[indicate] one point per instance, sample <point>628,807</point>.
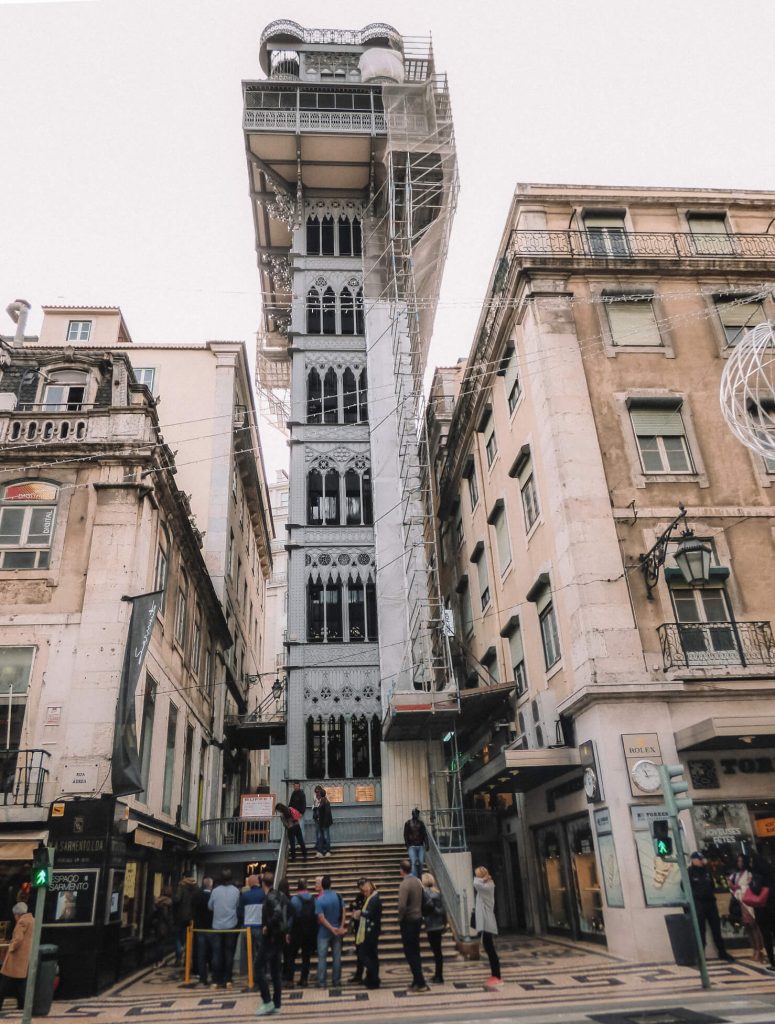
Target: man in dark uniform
<point>704,892</point>
<point>298,800</point>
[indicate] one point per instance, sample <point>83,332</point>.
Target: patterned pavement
<point>546,980</point>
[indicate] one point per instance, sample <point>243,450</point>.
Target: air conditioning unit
<point>544,720</point>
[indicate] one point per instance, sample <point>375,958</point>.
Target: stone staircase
<point>379,863</point>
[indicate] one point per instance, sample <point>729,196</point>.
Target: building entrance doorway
<point>572,902</point>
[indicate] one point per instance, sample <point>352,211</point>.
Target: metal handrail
<point>455,903</point>
<point>282,855</point>
<point>615,243</point>
<point>705,644</point>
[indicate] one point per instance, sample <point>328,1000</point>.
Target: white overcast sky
<point>123,178</point>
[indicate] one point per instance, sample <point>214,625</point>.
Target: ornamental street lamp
<point>692,556</point>
<point>277,688</point>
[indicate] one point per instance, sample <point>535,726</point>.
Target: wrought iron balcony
<point>705,644</point>
<point>23,775</point>
<point>255,730</point>
<point>617,244</point>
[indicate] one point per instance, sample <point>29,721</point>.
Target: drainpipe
<point>18,311</point>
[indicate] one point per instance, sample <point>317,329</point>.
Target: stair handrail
<point>455,903</point>
<point>282,856</point>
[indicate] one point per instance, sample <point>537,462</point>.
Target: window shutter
<point>481,568</point>
<point>502,538</point>
<point>510,373</point>
<point>544,599</point>
<point>633,323</point>
<point>661,420</point>
<point>739,314</point>
<point>515,647</point>
<point>708,225</point>
<point>604,220</point>
<point>525,472</point>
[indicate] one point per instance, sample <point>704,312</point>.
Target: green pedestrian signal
<point>663,841</point>
<point>41,869</point>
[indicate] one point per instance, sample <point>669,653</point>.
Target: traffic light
<point>41,869</point>
<point>663,841</point>
<point>673,786</point>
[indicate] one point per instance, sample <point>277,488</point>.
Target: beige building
<point>91,514</point>
<point>587,412</point>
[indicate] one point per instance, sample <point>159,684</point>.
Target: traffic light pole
<point>669,790</point>
<point>32,970</point>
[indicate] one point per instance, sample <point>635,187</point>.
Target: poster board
<point>72,897</point>
<point>114,904</point>
<point>257,805</point>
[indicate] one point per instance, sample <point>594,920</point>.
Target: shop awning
<point>522,770</point>
<point>734,733</point>
<point>20,845</point>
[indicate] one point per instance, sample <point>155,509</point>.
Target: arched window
<point>314,397</point>
<point>361,745</point>
<point>356,610</point>
<point>335,747</point>
<point>316,750</point>
<point>331,397</point>
<point>363,407</point>
<point>357,489</point>
<point>323,498</point>
<point>329,311</point>
<point>313,236</point>
<point>27,515</point>
<point>324,611</point>
<point>357,237</point>
<point>345,236</point>
<point>376,751</point>
<point>372,631</point>
<point>314,318</point>
<point>327,236</point>
<point>349,396</point>
<point>65,390</point>
<point>347,306</point>
<point>360,326</point>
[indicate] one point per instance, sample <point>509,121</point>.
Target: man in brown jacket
<point>13,973</point>
<point>410,923</point>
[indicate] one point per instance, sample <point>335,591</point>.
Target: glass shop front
<point>572,896</point>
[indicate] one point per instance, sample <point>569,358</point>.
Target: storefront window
<point>589,902</point>
<point>550,855</point>
<point>723,831</point>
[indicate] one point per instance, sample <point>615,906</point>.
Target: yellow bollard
<point>249,948</point>
<point>189,944</point>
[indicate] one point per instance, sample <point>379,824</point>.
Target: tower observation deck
<point>353,183</point>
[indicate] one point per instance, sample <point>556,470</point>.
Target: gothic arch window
<point>360,326</point>
<point>314,397</point>
<point>313,236</point>
<point>335,747</point>
<point>356,610</point>
<point>323,498</point>
<point>316,750</point>
<point>363,408</point>
<point>358,503</point>
<point>349,396</point>
<point>314,317</point>
<point>331,396</point>
<point>324,610</point>
<point>361,747</point>
<point>327,236</point>
<point>345,236</point>
<point>347,311</point>
<point>329,311</point>
<point>376,750</point>
<point>371,610</point>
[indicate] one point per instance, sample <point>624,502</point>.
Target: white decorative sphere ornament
<point>748,390</point>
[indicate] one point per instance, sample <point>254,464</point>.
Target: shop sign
<point>747,765</point>
<point>765,828</point>
<point>642,745</point>
<point>642,815</point>
<point>53,714</point>
<point>603,821</point>
<point>366,794</point>
<point>71,897</point>
<point>721,824</point>
<point>79,850</point>
<point>335,794</point>
<point>151,839</point>
<point>257,805</point>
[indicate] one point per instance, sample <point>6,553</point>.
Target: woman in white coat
<point>485,923</point>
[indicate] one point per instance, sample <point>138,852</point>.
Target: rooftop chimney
<point>18,310</point>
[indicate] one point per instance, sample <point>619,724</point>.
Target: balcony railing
<point>358,121</point>
<point>23,775</point>
<point>619,244</point>
<point>89,424</point>
<point>705,644</point>
<point>238,831</point>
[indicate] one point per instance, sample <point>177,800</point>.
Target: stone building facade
<point>586,413</point>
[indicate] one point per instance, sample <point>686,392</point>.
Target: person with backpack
<point>331,928</point>
<point>183,913</point>
<point>274,935</point>
<point>435,918</point>
<point>224,903</point>
<point>321,815</point>
<point>161,923</point>
<point>303,933</point>
<point>291,818</point>
<point>369,926</point>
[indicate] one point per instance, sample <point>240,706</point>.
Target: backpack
<point>307,920</point>
<point>275,918</point>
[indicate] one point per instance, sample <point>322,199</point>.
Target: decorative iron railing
<point>333,121</point>
<point>705,644</point>
<point>613,243</point>
<point>23,775</point>
<point>237,831</point>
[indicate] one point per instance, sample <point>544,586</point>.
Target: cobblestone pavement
<point>545,980</point>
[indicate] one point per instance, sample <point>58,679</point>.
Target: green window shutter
<point>633,323</point>
<point>657,420</point>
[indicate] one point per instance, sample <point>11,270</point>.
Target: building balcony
<point>85,424</point>
<point>258,729</point>
<point>23,775</point>
<point>615,244</point>
<point>358,122</point>
<point>708,644</point>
